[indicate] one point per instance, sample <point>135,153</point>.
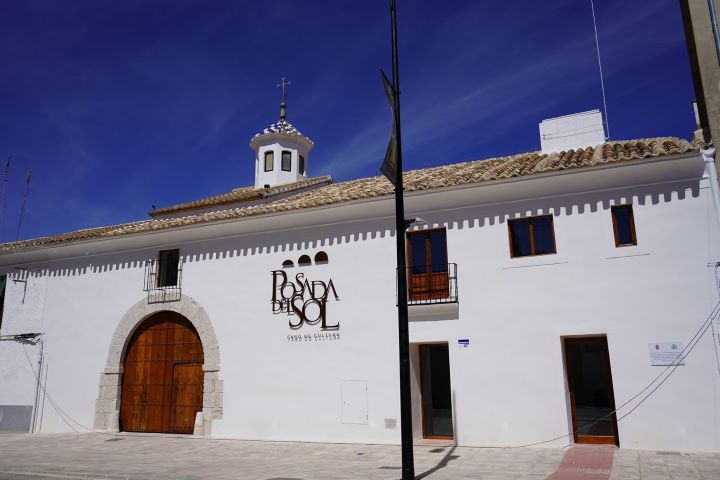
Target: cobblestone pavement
<point>127,456</point>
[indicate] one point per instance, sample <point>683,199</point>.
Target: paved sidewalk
<point>93,456</point>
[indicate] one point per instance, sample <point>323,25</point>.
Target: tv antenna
<point>606,123</point>
<point>4,188</point>
<point>22,210</point>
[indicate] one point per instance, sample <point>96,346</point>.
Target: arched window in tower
<point>321,258</point>
<point>301,165</point>
<point>286,161</point>
<point>269,157</point>
<point>304,261</point>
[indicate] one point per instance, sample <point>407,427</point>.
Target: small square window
<point>269,157</point>
<point>286,161</point>
<point>532,236</point>
<point>623,225</point>
<point>167,272</point>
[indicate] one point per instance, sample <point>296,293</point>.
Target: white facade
<point>578,130</point>
<point>277,174</point>
<point>509,386</point>
<point>281,154</point>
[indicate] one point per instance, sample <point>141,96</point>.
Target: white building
<point>547,289</point>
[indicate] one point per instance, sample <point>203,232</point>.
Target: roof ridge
<point>242,194</point>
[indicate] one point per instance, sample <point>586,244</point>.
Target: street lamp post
<point>401,225</point>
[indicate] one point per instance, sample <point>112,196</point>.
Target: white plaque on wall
<point>666,353</point>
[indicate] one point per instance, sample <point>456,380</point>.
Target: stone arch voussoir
<point>107,405</point>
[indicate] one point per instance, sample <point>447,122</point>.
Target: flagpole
<point>406,434</point>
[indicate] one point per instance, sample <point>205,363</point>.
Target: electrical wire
<point>681,357</point>
<point>715,346</point>
<point>571,132</point>
<point>679,362</point>
<point>692,343</point>
<point>71,422</point>
<point>59,410</point>
<point>602,81</point>
<point>716,335</point>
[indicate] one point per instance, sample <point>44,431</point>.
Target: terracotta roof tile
<point>327,193</point>
<point>239,195</point>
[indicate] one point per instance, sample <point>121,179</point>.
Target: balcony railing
<point>432,284</point>
<point>159,291</point>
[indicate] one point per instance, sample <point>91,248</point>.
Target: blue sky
<point>117,106</point>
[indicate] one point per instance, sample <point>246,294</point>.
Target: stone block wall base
<point>113,421</point>
<point>107,405</point>
<point>199,429</point>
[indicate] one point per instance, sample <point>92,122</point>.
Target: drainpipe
<point>713,20</point>
<point>709,158</point>
<point>36,405</point>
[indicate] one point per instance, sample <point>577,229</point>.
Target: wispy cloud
<point>513,96</point>
<point>117,106</point>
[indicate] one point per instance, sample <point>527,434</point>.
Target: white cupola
<point>281,151</point>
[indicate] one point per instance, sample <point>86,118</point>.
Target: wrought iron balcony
<point>163,283</point>
<point>432,284</point>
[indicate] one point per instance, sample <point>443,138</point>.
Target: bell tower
<point>281,151</point>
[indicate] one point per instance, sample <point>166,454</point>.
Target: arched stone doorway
<point>162,383</point>
<point>108,404</point>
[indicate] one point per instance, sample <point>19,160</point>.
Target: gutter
<point>34,425</point>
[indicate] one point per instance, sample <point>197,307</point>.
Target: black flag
<point>389,165</point>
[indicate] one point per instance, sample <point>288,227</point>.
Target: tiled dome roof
<point>284,127</point>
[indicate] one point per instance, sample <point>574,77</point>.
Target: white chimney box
<point>572,132</point>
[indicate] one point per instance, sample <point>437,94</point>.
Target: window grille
<point>157,293</point>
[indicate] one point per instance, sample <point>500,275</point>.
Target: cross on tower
<point>282,85</point>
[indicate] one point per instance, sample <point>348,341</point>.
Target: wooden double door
<point>162,385</point>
